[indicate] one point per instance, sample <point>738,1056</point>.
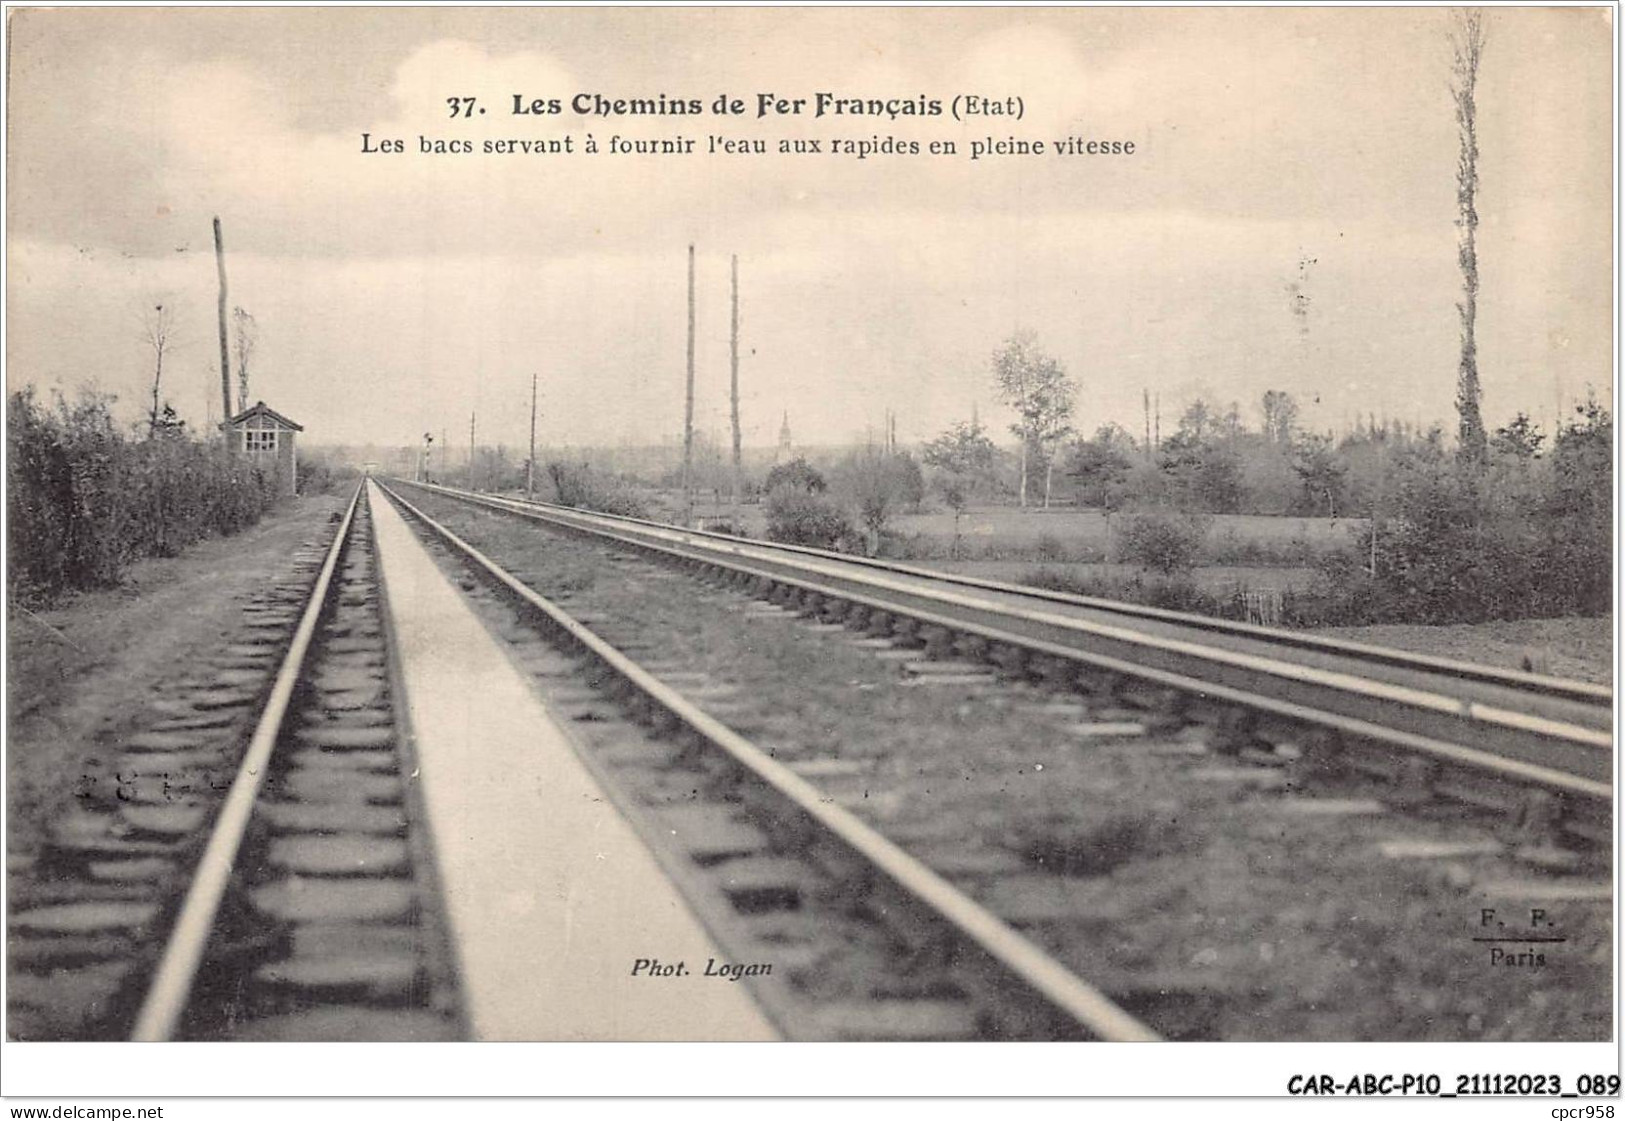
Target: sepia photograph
<point>814,525</point>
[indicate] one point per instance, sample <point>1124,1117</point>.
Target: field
<point>1006,533</point>
<point>1578,648</point>
<point>1241,545</point>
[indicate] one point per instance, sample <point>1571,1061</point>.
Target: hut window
<point>259,440</point>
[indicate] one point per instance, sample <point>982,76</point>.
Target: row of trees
<point>1200,466</point>
<point>1523,529</point>
<point>1214,462</point>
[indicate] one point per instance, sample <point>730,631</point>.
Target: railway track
<point>1534,747</point>
<point>1067,886</point>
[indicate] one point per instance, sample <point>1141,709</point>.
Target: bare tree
<point>1036,386</point>
<point>158,330</point>
<point>1467,48</point>
<point>247,336</point>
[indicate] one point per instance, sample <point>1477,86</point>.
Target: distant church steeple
<point>784,438</point>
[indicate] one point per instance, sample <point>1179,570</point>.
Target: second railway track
<point>1514,741</point>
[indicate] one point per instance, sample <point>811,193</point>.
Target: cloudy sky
<point>396,293</point>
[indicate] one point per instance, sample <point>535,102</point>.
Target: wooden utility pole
<point>225,346</point>
<point>733,385</point>
<point>688,408</point>
<point>530,464</point>
<point>470,451</point>
<point>1376,500</point>
<point>1146,397</point>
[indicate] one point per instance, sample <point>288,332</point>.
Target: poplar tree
<point>1467,47</point>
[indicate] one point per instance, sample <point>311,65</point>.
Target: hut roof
<point>259,408</point>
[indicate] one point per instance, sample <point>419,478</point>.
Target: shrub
<point>1049,548</point>
<point>1577,512</point>
<point>62,468</point>
<point>797,475</point>
<point>876,485</point>
<point>1228,547</point>
<point>586,489</point>
<point>797,518</point>
<point>1162,541</point>
<point>83,500</point>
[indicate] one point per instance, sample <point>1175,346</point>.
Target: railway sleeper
<point>972,647</point>
<point>838,610</point>
<point>879,623</point>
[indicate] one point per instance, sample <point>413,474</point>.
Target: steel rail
<point>1023,962</point>
<point>171,985</point>
<point>1579,691</point>
<point>1437,720</point>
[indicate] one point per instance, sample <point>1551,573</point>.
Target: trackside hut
<point>267,438</point>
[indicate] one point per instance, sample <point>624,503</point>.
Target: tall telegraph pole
<point>530,464</point>
<point>733,385</point>
<point>688,408</point>
<point>225,349</point>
